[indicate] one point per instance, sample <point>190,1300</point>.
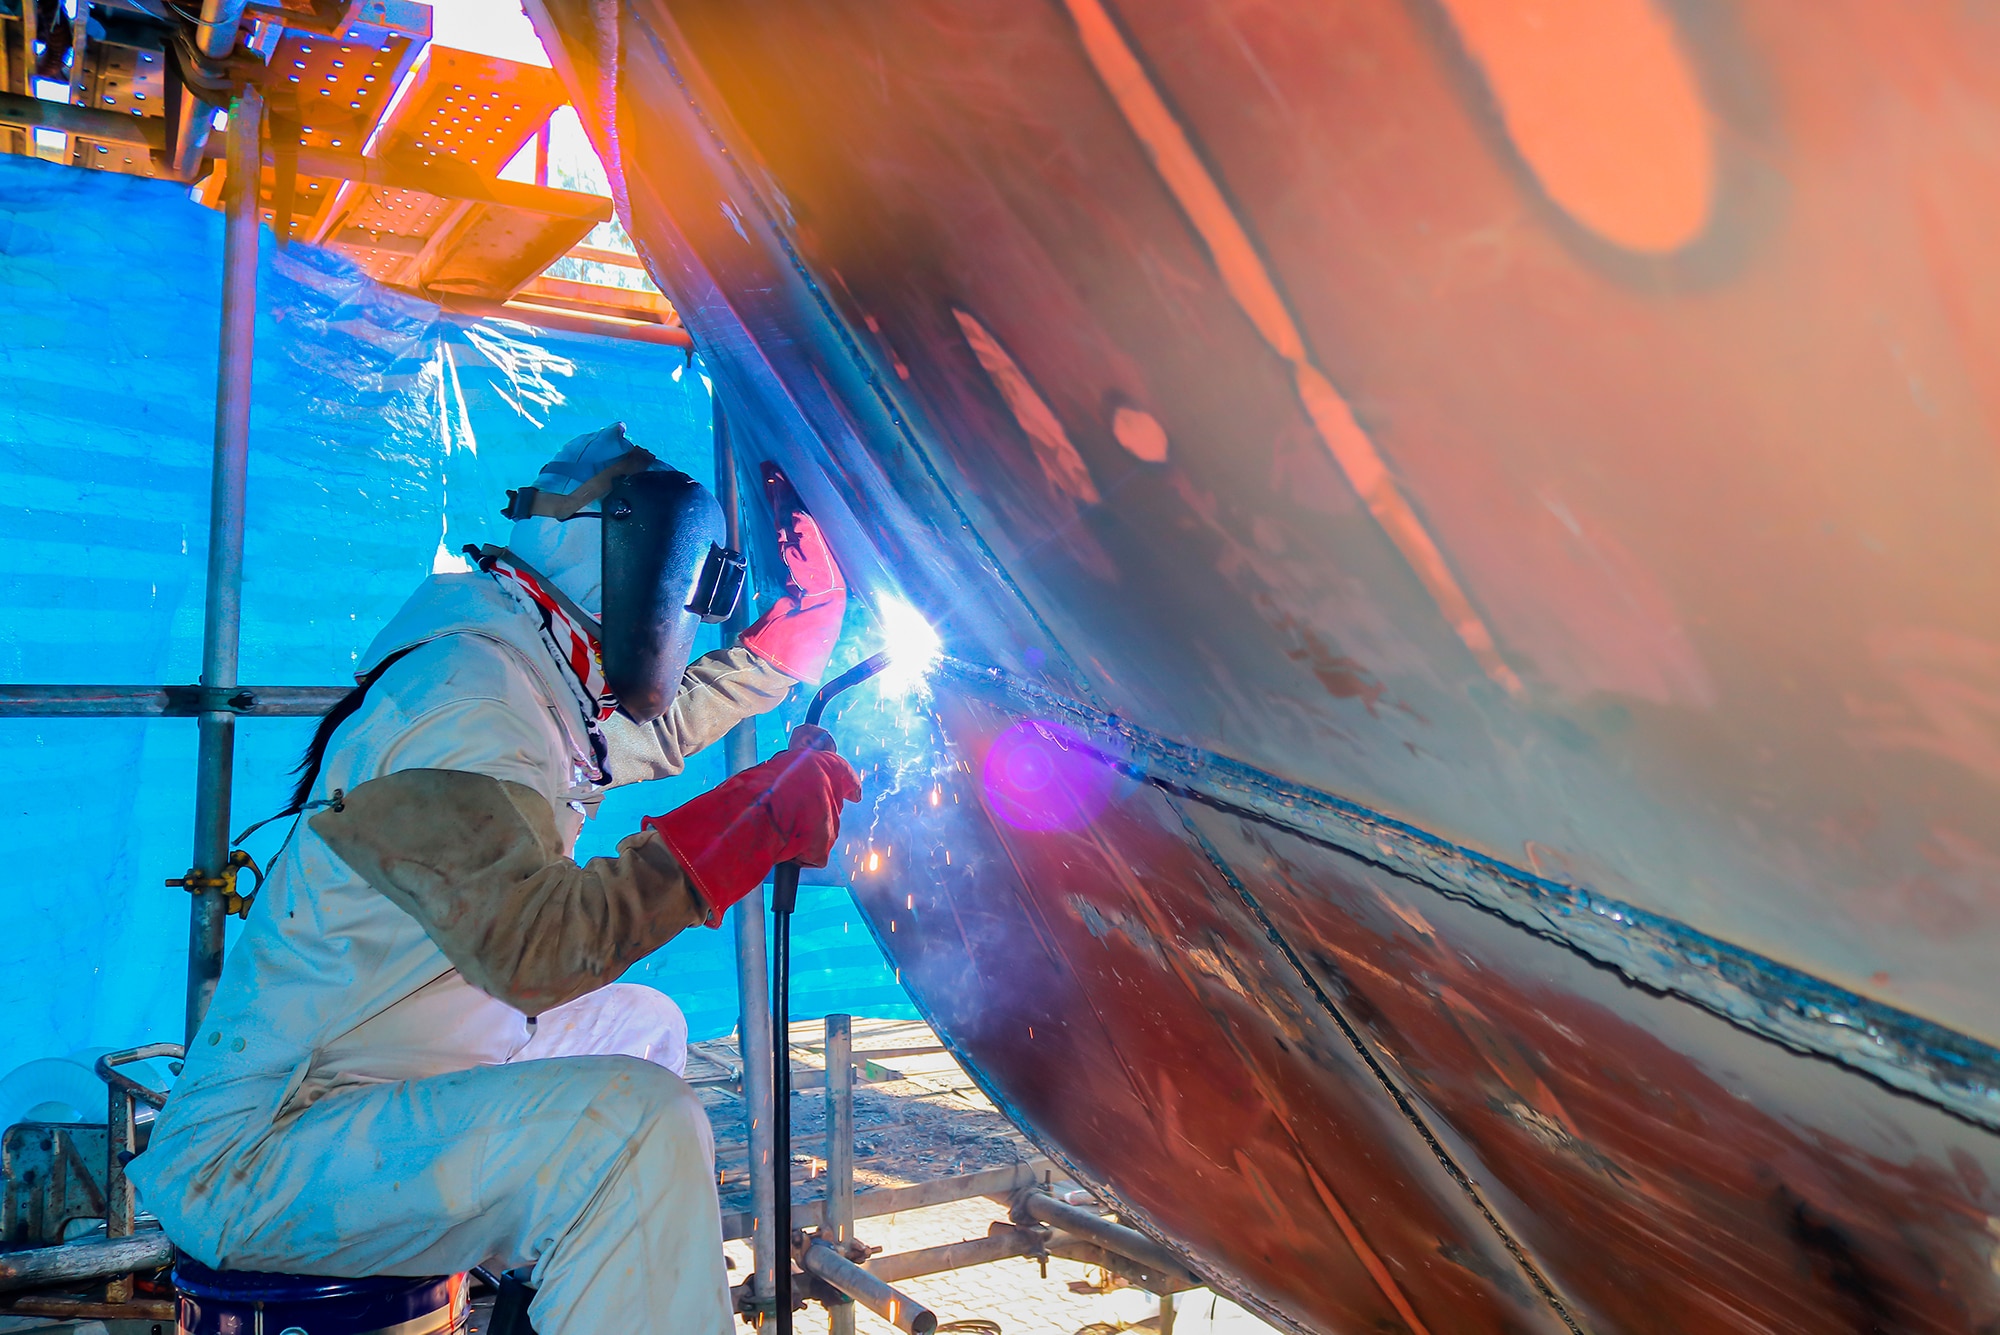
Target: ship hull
<point>1464,794</point>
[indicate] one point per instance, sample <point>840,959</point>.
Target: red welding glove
<point>796,635</point>
<point>784,810</point>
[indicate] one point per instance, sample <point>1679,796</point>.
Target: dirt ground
<point>917,1117</point>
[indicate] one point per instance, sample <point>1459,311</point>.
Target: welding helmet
<point>638,546</point>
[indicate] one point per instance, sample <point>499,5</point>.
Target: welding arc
<point>784,898</point>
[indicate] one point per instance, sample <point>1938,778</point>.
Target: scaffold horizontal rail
<point>37,701</point>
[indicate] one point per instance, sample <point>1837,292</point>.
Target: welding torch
<point>784,898</point>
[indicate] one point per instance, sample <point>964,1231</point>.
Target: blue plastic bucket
<point>247,1302</point>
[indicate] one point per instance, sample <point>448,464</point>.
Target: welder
<point>418,1059</point>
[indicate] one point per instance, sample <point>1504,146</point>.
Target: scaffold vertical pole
<point>839,1227</point>
<point>746,921</point>
<point>223,617</point>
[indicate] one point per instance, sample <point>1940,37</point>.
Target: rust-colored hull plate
<point>1479,516</point>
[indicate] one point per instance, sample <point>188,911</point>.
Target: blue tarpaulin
<point>383,437</point>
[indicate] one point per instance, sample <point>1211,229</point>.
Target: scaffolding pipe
<point>892,1305</point>
<point>223,618</point>
<point>120,1204</point>
<point>75,1262</point>
<point>83,1309</point>
<point>839,1225</point>
<point>39,701</point>
<point>193,120</point>
<point>1002,1242</point>
<point>1039,1207</point>
<point>746,920</point>
<point>215,35</point>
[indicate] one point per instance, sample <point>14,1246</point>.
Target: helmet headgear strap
<point>533,503</point>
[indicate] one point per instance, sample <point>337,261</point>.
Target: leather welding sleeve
<point>719,691</point>
<point>479,863</point>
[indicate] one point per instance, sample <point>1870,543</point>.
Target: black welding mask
<point>666,572</point>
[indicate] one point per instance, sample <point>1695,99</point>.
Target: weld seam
<point>1903,1053</point>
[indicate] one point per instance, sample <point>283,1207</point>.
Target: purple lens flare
<point>1040,775</point>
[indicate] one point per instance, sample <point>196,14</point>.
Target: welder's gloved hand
<point>784,810</point>
<point>796,635</point>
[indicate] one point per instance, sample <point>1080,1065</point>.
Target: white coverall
<point>353,1106</point>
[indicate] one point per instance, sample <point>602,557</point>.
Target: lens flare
<point>1040,775</point>
<point>914,647</point>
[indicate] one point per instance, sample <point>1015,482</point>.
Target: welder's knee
<point>645,1237</point>
<point>651,1108</point>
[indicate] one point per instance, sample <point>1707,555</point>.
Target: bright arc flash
<point>914,648</point>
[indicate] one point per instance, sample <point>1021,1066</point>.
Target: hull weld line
<point>1903,1052</point>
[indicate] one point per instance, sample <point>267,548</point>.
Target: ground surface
<point>917,1116</point>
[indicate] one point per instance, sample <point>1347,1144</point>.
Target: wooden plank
<point>624,303</point>
<point>448,181</point>
<point>542,317</point>
<point>895,1200</point>
<point>599,255</point>
<point>886,1054</point>
<point>496,252</point>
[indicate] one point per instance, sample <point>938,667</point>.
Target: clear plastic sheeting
<point>383,437</point>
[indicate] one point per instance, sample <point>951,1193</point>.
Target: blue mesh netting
<point>383,438</point>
